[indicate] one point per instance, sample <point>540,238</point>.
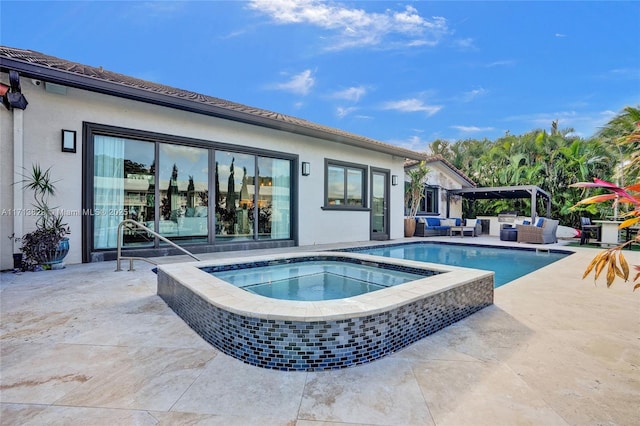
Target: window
<point>187,191</point>
<point>274,198</point>
<point>234,202</point>
<point>183,176</point>
<point>123,188</point>
<point>428,204</point>
<point>345,185</point>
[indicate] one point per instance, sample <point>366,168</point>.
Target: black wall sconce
<point>68,140</point>
<point>306,168</point>
<point>394,180</point>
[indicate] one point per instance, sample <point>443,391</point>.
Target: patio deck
<point>87,345</point>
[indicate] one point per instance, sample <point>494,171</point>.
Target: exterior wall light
<point>306,168</point>
<point>394,180</point>
<point>68,140</point>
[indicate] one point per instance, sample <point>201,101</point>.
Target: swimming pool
<point>294,335</point>
<point>507,263</point>
<point>310,279</point>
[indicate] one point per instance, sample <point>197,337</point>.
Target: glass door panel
<point>234,203</point>
<point>123,188</point>
<point>379,202</point>
<point>274,198</point>
<point>184,193</point>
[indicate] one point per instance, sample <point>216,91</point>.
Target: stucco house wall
<point>71,96</point>
<point>443,176</point>
<point>47,113</point>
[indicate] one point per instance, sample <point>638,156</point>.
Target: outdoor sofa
<point>436,226</point>
<point>542,232</point>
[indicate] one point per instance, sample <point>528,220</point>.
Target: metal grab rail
<point>154,233</point>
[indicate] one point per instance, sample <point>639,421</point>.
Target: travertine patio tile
<point>87,345</point>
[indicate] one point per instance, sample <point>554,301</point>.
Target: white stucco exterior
<point>48,113</point>
<point>442,176</point>
<point>103,106</point>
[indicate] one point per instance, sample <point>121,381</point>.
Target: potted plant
<point>48,244</point>
<point>414,193</point>
<point>17,257</point>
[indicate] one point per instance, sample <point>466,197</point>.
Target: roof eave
<point>70,79</point>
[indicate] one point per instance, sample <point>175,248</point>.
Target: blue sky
<point>402,72</point>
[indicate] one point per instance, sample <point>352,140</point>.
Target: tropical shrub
<point>613,258</point>
<point>414,189</point>
<point>38,246</point>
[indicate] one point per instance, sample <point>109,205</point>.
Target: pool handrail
<point>152,232</point>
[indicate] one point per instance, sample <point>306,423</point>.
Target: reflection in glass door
<point>184,193</point>
<point>379,204</point>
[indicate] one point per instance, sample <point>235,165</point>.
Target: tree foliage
<point>613,259</point>
<point>552,159</point>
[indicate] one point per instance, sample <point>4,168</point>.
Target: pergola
<point>506,192</point>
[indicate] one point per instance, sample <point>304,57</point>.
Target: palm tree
<point>623,134</point>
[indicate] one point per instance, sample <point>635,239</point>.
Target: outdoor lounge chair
<point>543,232</point>
<point>588,230</point>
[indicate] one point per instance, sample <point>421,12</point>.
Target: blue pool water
<point>508,264</point>
<point>315,280</point>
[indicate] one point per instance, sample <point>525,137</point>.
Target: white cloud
<point>412,105</point>
<point>560,35</point>
<point>627,73</point>
<point>472,129</point>
<point>414,143</point>
<point>356,27</point>
<point>585,123</point>
<point>503,63</point>
<point>465,43</point>
<point>472,94</point>
<point>299,84</point>
<point>233,34</point>
<point>352,94</point>
<point>344,111</point>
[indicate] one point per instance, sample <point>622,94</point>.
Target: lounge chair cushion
<point>433,221</point>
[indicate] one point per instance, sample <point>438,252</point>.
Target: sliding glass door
<point>166,187</point>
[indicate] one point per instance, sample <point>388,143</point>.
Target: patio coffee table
<point>462,229</point>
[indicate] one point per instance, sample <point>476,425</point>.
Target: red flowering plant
<point>612,258</point>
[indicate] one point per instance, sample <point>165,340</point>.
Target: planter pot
<point>17,261</point>
<point>409,227</point>
<point>57,255</point>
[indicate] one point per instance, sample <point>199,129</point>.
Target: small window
<point>345,185</point>
<point>428,204</point>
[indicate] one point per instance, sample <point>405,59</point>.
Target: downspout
<point>18,167</point>
<point>15,101</point>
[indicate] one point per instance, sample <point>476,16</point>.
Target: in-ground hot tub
<point>326,334</point>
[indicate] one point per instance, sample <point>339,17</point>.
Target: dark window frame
<point>434,201</point>
<point>422,209</point>
<point>362,168</point>
<point>90,129</point>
